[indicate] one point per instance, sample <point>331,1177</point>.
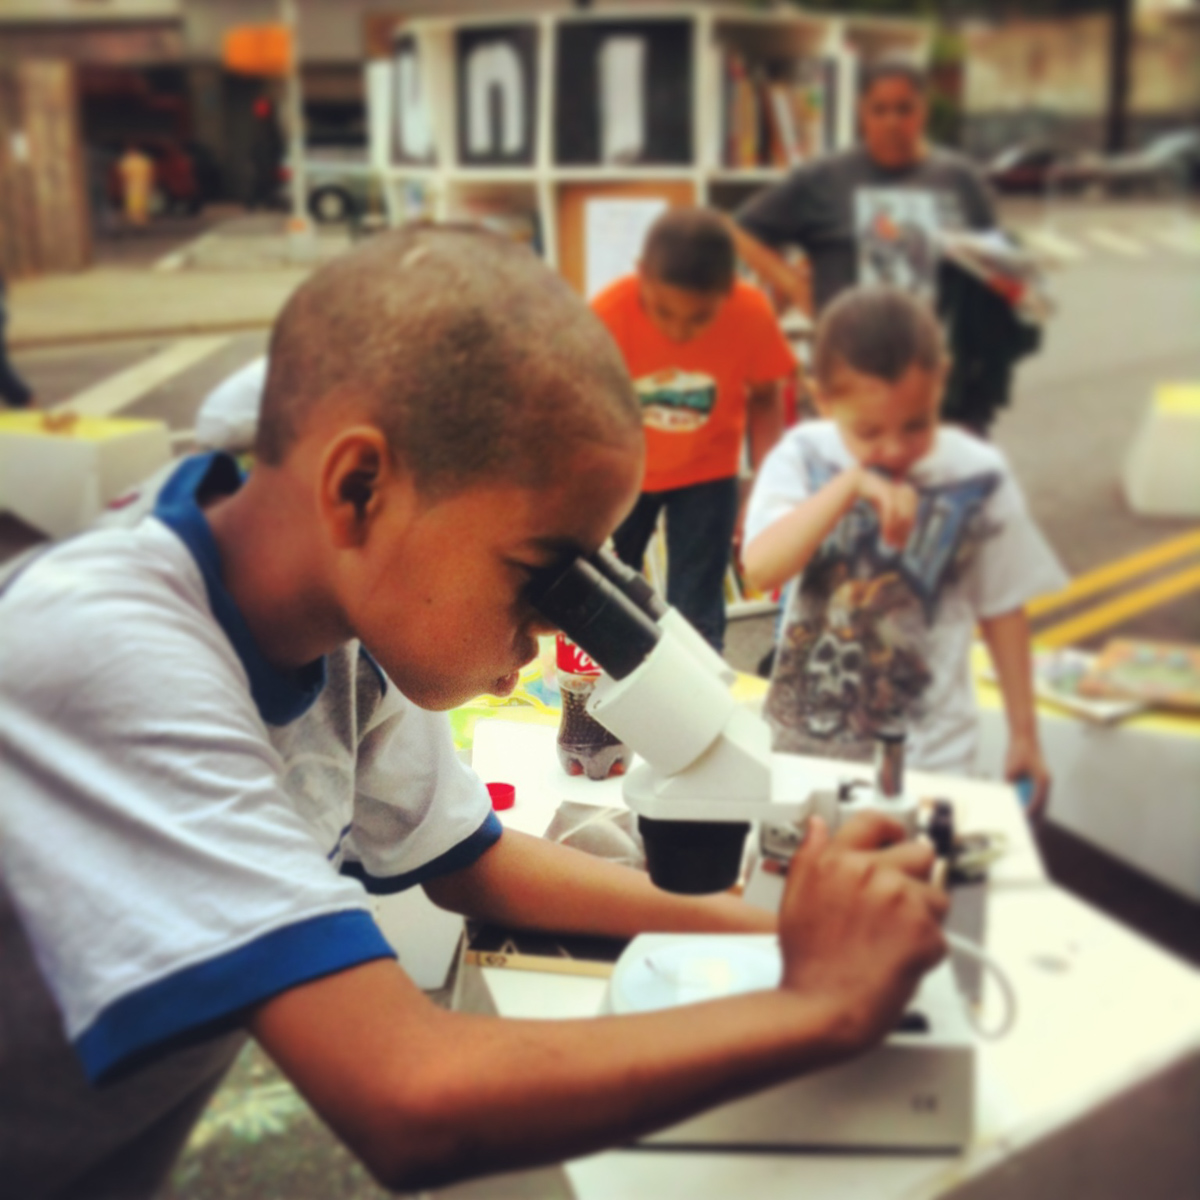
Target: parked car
<point>332,200</point>
<point>1025,167</point>
<point>1167,164</point>
<point>341,185</point>
<point>176,187</point>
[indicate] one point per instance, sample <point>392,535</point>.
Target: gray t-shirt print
<point>822,206</point>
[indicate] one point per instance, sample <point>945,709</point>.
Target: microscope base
<point>915,1091</point>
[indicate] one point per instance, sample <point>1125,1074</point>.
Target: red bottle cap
<point>504,795</point>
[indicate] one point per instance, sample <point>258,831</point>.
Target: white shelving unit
<point>448,183</point>
<point>537,189</point>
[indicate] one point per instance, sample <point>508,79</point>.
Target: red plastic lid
<point>503,795</point>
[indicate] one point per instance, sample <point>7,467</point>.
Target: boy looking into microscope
<point>219,734</point>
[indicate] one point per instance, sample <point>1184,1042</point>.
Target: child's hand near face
<point>894,502</point>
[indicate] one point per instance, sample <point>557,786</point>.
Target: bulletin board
<point>573,201</point>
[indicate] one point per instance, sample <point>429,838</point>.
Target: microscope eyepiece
<point>595,613</point>
<point>633,584</point>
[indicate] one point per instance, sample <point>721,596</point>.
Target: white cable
<point>969,949</point>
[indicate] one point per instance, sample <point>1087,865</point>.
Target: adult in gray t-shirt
<point>870,214</point>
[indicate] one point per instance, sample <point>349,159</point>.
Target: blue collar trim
<point>281,696</point>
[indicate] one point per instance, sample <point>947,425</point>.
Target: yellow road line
<point>1118,243</point>
<point>1153,595</point>
<point>1113,573</point>
<point>1053,244</point>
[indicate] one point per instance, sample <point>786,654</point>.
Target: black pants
<point>700,524</point>
<point>13,389</point>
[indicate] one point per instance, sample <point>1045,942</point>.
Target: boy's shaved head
<point>475,359</point>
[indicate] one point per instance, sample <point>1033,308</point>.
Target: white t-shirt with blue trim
<point>185,830</point>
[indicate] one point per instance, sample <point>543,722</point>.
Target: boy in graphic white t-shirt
<point>903,535</point>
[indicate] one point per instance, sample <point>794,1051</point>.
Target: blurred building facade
<point>80,79</point>
<point>150,71</point>
<point>1050,79</point>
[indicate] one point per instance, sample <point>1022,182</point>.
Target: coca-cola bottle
<point>585,747</point>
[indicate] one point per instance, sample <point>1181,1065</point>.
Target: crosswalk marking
<point>1053,244</point>
<point>1119,243</point>
<point>1180,238</point>
<point>119,391</point>
<point>1177,235</point>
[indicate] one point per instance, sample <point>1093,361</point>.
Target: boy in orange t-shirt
<point>706,356</point>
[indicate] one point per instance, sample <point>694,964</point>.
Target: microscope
<point>707,776</point>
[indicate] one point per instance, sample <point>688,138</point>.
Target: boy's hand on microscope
<point>861,924</point>
<point>895,503</point>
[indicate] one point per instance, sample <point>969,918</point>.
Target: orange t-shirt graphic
<point>693,393</point>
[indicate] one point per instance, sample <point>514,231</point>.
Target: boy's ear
<point>357,471</point>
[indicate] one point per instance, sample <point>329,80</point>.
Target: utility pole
<point>1119,54</point>
<point>299,224</point>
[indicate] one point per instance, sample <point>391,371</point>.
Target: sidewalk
<point>234,277</point>
<point>107,302</point>
<point>255,240</point>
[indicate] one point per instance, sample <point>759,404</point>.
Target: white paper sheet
<point>614,231</point>
<point>622,80</point>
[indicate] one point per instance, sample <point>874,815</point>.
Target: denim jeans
<point>700,523</point>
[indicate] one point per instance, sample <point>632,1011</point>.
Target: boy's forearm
<point>528,883</point>
<point>426,1097</point>
<point>1008,643</point>
<point>784,548</point>
<point>771,268</point>
<point>764,419</point>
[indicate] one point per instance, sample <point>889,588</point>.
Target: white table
<point>1132,789</point>
<point>1096,1092</point>
<point>59,482</point>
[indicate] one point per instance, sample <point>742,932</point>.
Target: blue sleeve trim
<point>206,998</point>
<point>469,850</point>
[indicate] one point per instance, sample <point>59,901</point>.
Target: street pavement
<point>189,276</point>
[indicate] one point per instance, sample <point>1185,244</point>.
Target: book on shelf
<point>776,117</point>
<point>782,114</point>
<point>741,114</point>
